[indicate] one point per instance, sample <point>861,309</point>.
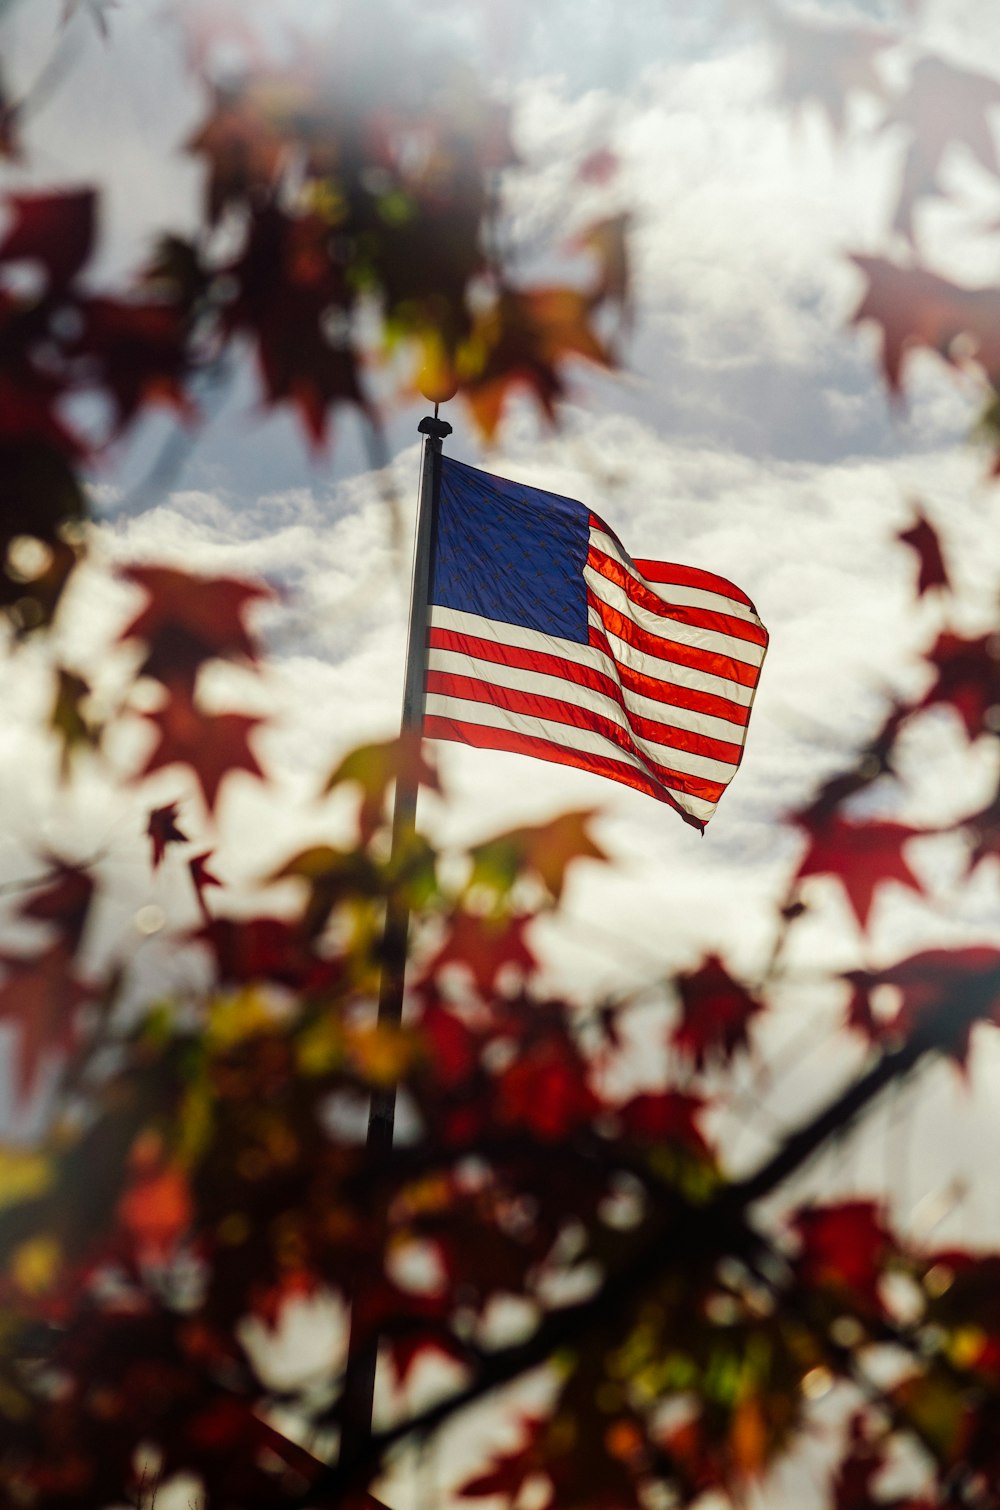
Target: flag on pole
<point>546,638</point>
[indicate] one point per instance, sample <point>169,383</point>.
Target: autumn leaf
<point>156,1211</point>
<point>525,342</point>
<point>290,288</point>
<point>43,504</point>
<point>138,355</point>
<point>943,106</point>
<point>40,997</point>
<point>211,745</point>
<point>243,151</point>
<point>916,308</point>
<point>375,768</point>
<point>70,723</point>
<point>331,876</point>
<point>64,899</point>
<point>922,538</point>
<point>665,1117</point>
<point>54,230</point>
<point>545,1090</point>
<point>983,830</point>
<point>844,1249</point>
<point>942,994</point>
<point>545,850</point>
<point>188,620</point>
<point>201,878</point>
<point>509,1471</point>
<point>825,63</point>
<point>863,856</point>
<point>873,761</point>
<point>968,680</point>
<point>452,1048</point>
<point>246,950</point>
<point>607,243</point>
<point>485,947</point>
<point>162,830</point>
<point>715,1014</point>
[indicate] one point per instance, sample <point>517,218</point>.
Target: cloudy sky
<point>747,432</point>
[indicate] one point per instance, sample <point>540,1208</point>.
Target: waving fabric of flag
<point>547,639</point>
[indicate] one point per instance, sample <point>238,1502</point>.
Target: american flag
<point>545,638</point>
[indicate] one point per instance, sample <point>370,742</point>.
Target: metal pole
<point>359,1379</point>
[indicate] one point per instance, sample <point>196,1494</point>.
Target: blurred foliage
<point>200,1165</point>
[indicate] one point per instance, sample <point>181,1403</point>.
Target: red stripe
<point>692,576</point>
<point>683,613</point>
<point>678,695</point>
<point>556,711</point>
<point>670,693</point>
<point>485,738</point>
<point>722,666</point>
<point>670,571</point>
<point>538,704</point>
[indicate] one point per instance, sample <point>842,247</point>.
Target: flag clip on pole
<point>359,1380</point>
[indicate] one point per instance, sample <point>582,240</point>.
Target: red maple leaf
<point>242,148</point>
<point>56,230</point>
<point>452,1047</point>
<point>968,679</point>
<point>264,948</point>
<point>210,744</point>
<point>664,1117</point>
<point>715,1014</point>
<point>202,877</point>
<point>137,352</point>
<point>983,829</point>
<point>65,900</point>
<point>289,281</point>
<point>485,947</point>
<point>826,63</point>
<point>509,1471</point>
<point>853,1484</point>
<point>943,993</point>
<point>844,1248</point>
<point>40,996</point>
<point>873,761</point>
<point>162,830</point>
<point>922,538</point>
<point>916,308</point>
<point>861,855</point>
<point>942,106</point>
<point>188,620</point>
<point>545,1090</point>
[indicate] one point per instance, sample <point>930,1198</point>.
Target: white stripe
<point>660,753</point>
<point>671,629</point>
<point>681,593</point>
<point>590,655</point>
<point>458,663</point>
<point>668,671</point>
<point>585,740</point>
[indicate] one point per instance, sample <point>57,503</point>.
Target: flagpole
<point>359,1378</point>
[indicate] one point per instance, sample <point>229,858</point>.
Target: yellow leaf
<point>35,1264</point>
<point>234,1018</point>
<point>748,1436</point>
<point>382,1054</point>
<point>23,1175</point>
